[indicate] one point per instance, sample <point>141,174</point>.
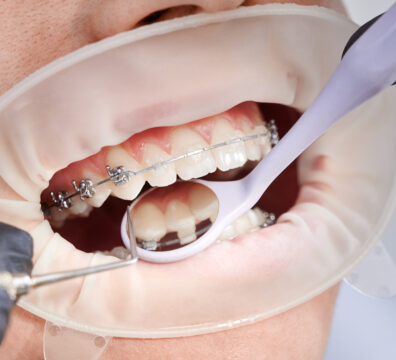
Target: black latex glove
<point>16,251</point>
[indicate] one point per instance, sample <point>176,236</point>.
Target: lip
<point>182,297</point>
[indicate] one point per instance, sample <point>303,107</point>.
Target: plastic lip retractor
<point>368,67</point>
<point>20,284</point>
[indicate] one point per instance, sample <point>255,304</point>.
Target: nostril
<point>151,18</point>
<point>169,13</point>
<point>113,17</point>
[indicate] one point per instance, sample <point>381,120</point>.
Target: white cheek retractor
<point>368,67</point>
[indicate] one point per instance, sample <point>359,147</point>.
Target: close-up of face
<point>91,83</point>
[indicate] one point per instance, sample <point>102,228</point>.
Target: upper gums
<point>153,145</point>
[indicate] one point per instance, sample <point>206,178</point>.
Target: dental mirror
<point>164,219</point>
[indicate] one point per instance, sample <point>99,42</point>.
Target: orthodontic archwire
<point>86,188</point>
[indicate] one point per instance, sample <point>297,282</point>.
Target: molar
<point>229,156</point>
<point>259,215</point>
<point>163,175</point>
<point>117,156</point>
<point>185,140</point>
<point>242,225</point>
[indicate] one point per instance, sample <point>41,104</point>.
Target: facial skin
<point>36,32</point>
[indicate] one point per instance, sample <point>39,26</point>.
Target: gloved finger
<point>16,250</point>
<point>5,308</point>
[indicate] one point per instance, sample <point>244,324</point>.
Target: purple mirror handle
<point>368,67</point>
<point>358,33</point>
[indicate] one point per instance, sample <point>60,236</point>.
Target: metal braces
<point>270,219</point>
<point>86,189</point>
<point>274,135</point>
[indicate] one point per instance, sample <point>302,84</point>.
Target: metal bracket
<point>85,188</point>
<point>61,200</point>
<point>118,175</point>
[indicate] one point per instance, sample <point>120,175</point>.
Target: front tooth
<point>203,202</point>
<point>117,156</point>
<point>186,140</point>
<point>163,175</point>
<point>180,219</point>
<point>229,156</point>
<point>102,191</point>
<point>148,222</point>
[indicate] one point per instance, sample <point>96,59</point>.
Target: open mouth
<point>93,224</point>
<point>219,87</point>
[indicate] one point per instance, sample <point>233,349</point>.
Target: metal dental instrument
<point>17,284</point>
<point>368,67</point>
<point>119,175</point>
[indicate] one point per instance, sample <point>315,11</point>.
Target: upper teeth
<point>160,168</point>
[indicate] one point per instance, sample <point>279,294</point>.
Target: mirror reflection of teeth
<point>179,218</point>
<point>181,213</point>
<point>203,204</point>
<point>149,222</point>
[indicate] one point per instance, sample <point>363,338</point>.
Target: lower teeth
<point>252,220</point>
